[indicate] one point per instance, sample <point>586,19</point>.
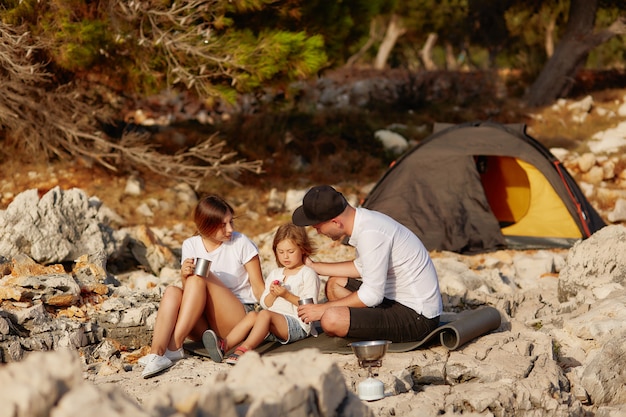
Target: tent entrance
<point>522,199</point>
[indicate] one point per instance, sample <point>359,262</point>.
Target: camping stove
<point>370,355</point>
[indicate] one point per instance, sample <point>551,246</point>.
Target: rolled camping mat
<point>452,335</point>
<point>468,327</point>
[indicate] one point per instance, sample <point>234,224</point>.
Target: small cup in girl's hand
<point>276,282</point>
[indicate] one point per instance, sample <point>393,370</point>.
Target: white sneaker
<point>173,355</point>
<point>155,365</point>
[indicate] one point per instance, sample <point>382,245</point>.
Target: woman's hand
<point>187,268</point>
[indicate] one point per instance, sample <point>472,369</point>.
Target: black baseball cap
<point>320,204</point>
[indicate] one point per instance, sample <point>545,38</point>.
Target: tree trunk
<point>452,64</point>
<point>374,36</point>
<point>426,54</point>
<point>550,36</point>
<point>394,31</point>
<point>557,76</point>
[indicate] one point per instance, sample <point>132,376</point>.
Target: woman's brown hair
<point>209,214</point>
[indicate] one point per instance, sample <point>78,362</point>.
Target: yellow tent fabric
<point>537,209</point>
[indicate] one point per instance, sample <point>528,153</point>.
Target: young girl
<point>218,301</point>
<point>284,286</point>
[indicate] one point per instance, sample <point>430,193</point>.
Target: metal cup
<point>303,301</point>
<point>202,267</point>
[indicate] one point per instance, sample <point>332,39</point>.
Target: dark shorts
<point>389,320</point>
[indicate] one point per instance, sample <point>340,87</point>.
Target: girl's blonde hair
<point>298,235</point>
<point>209,214</point>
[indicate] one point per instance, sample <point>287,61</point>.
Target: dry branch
<point>45,121</point>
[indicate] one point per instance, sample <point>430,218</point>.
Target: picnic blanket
<point>453,334</point>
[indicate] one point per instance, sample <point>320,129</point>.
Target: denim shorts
<point>296,332</point>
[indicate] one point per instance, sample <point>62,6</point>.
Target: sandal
<point>233,358</point>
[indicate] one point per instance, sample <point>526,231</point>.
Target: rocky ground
<point>558,352</point>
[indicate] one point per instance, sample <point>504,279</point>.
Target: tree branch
<point>46,121</point>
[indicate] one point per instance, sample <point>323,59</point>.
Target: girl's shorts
<point>296,332</point>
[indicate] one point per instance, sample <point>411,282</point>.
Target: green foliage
<point>152,46</point>
<point>445,18</point>
<point>276,55</point>
<point>77,36</point>
<point>528,25</point>
<point>223,47</point>
<point>611,54</point>
<point>18,12</point>
<point>342,24</point>
<point>81,45</point>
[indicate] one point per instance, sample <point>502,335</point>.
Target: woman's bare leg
<point>192,306</point>
<point>223,309</point>
<point>204,303</point>
<point>166,319</point>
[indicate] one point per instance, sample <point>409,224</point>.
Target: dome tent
<point>483,186</point>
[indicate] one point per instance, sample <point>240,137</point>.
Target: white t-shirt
<point>304,284</point>
<point>227,262</point>
<point>393,263</point>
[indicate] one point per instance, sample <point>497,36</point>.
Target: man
<point>390,291</point>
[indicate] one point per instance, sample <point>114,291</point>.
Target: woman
<point>218,301</point>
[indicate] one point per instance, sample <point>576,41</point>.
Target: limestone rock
<point>594,262</point>
<point>604,378</point>
<point>60,226</point>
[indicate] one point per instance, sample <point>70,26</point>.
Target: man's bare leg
<point>336,288</point>
<point>336,321</point>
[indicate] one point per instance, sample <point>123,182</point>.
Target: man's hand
<point>311,312</point>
